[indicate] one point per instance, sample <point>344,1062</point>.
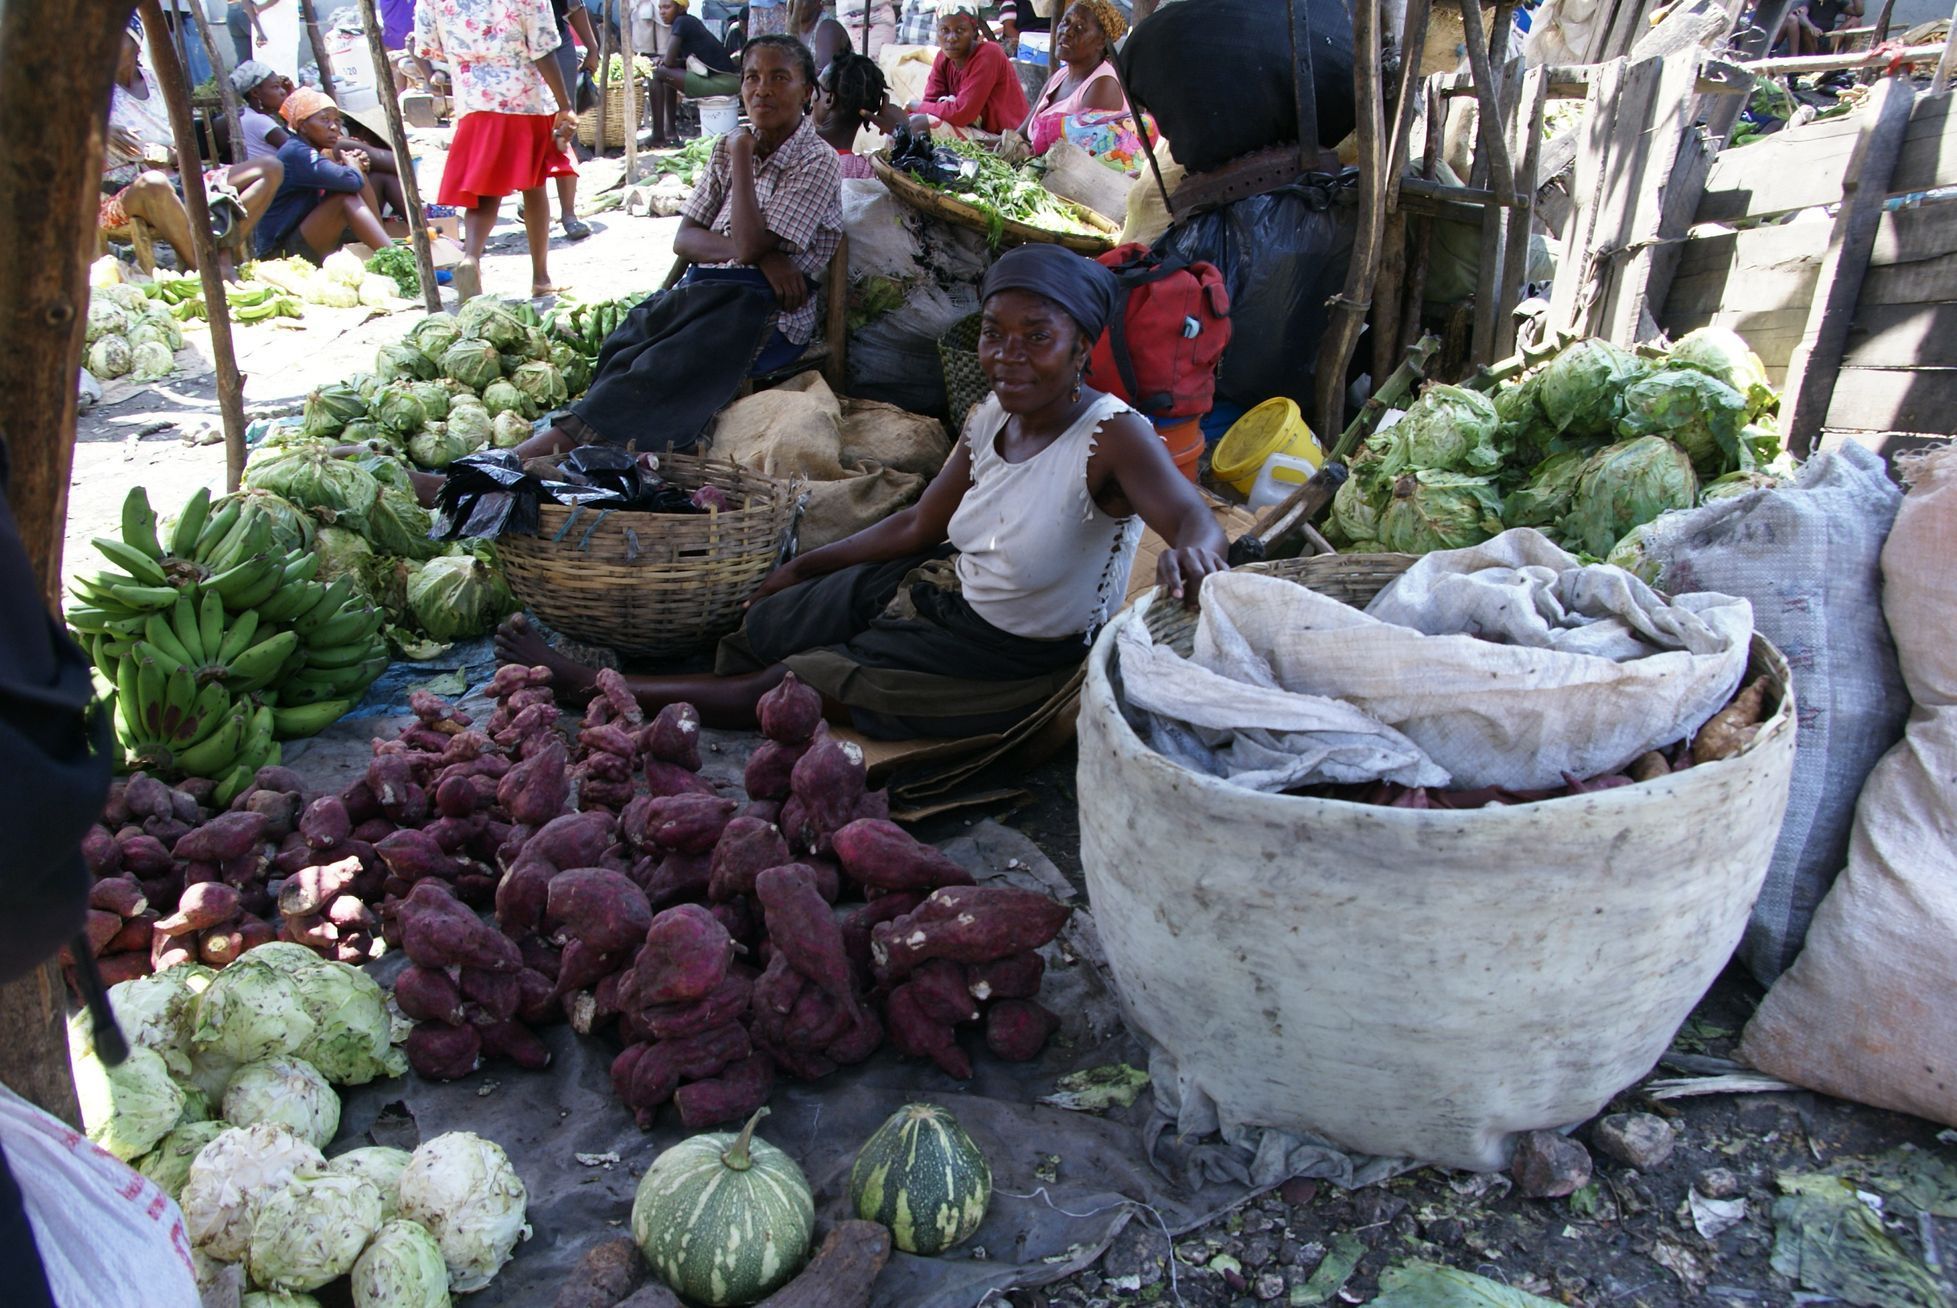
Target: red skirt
<point>494,155</point>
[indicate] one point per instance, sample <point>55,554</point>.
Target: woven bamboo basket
<point>614,116</point>
<point>655,584</point>
<point>1350,578</point>
<point>965,383</point>
<point>942,204</point>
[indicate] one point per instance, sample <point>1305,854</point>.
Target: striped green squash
<point>724,1219</point>
<point>921,1176</point>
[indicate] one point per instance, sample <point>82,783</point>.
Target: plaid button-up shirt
<point>798,189</point>
<point>919,23</point>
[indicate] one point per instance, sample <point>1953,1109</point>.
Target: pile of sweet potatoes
<point>178,881</point>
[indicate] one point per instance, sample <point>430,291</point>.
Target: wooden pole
<point>49,192</point>
<point>318,43</point>
<point>1349,307</point>
<point>397,136</point>
<point>1413,39</point>
<point>604,83</point>
<point>1488,124</point>
<point>1828,63</point>
<point>1420,241</point>
<point>1941,82</point>
<point>631,97</point>
<point>230,386</point>
<point>1515,251</point>
<point>224,89</point>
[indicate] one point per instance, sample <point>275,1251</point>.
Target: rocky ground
<point>1686,1203</point>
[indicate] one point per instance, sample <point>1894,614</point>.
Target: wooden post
<point>1941,82</point>
<point>397,136</point>
<point>1413,39</point>
<point>629,55</point>
<point>1421,233</point>
<point>1348,308</point>
<point>1865,186</point>
<point>1521,219</point>
<point>48,197</point>
<point>230,386</point>
<point>1488,113</point>
<point>224,89</point>
<point>603,142</point>
<point>318,43</point>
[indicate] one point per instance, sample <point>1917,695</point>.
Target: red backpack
<point>1160,353</point>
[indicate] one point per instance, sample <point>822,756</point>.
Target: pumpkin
<point>724,1219</point>
<point>921,1176</point>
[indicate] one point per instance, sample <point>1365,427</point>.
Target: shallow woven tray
<point>949,207</point>
<point>653,584</point>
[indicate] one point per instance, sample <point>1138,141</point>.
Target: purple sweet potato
<point>598,906</point>
<point>686,955</point>
<point>438,931</point>
<point>967,924</point>
<point>803,1065</point>
<point>882,854</point>
<point>582,967</point>
<point>1017,1029</point>
<point>940,989</point>
<point>857,1043</point>
<point>664,780</point>
<point>1016,976</point>
<point>168,951</point>
<point>677,878</point>
<point>416,854</point>
<point>223,838</point>
<point>373,831</point>
<point>144,855</point>
<point>513,1040</point>
<point>536,790</point>
<point>733,1096</point>
<point>146,797</point>
<point>439,1052</point>
<point>605,796</point>
<point>204,905</point>
<point>279,809</point>
<point>540,956</point>
<point>816,1021</point>
<point>311,930</point>
<point>428,994</point>
<point>858,922</point>
<point>325,823</point>
<point>653,1083</point>
<point>610,684</point>
<point>828,878</point>
<point>101,853</point>
<point>706,1053</point>
<point>573,840</point>
<point>512,677</point>
<point>674,737</point>
<point>310,889</point>
<point>768,810</point>
<point>776,991</point>
<point>101,927</point>
<point>498,994</point>
<point>801,926</point>
<point>456,796</point>
<point>770,768</point>
<point>608,768</point>
<point>790,712</point>
<point>690,824</point>
<point>539,1001</point>
<point>521,896</point>
<point>134,935</point>
<point>275,777</point>
<point>916,1034</point>
<point>122,896</point>
<point>609,739</point>
<point>455,835</point>
<point>727,1002</point>
<point>829,780</point>
<point>166,829</point>
<point>746,848</point>
<point>624,1065</point>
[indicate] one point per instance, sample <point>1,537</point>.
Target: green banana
<point>332,658</point>
<point>208,713</point>
<point>143,567</point>
<point>329,604</point>
<point>218,752</point>
<point>179,703</point>
<point>210,624</point>
<point>216,527</point>
<point>139,524</point>
<point>269,582</point>
<point>145,707</point>
<point>289,601</point>
<point>351,625</point>
<point>185,621</point>
<point>296,721</point>
<point>238,584</point>
<point>145,598</point>
<point>233,784</point>
<point>160,642</point>
<point>190,523</point>
<point>237,637</point>
<point>301,565</point>
<point>315,684</point>
<point>259,664</point>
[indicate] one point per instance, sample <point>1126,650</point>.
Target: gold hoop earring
<point>1077,377</point>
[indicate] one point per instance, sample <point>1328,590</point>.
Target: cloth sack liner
<point>1864,1012</point>
<point>1076,175</point>
<point>1809,557</point>
<point>864,460</point>
<point>1504,664</point>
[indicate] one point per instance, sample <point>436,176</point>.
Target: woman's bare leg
<point>476,226</point>
<point>722,701</point>
<point>536,228</point>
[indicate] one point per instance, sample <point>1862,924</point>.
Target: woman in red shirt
<point>972,92</point>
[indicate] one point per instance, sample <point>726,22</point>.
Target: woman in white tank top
<point>966,611</point>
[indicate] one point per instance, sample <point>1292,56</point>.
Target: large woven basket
<point>1351,578</point>
<point>654,584</point>
<point>965,383</point>
<point>614,116</point>
<point>1007,231</point>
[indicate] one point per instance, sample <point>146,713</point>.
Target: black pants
<point>20,1260</point>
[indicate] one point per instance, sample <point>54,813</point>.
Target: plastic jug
<point>1280,475</point>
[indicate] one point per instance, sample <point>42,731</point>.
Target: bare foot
<point>518,642</point>
<point>538,290</point>
<point>468,280</point>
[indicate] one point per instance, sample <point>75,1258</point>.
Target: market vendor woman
<point>965,612</point>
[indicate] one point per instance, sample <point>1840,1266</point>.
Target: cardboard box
<point>449,227</point>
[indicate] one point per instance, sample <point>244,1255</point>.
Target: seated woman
<point>849,97</point>
<point>972,92</point>
<point>1085,80</point>
<point>326,197</point>
<point>965,612</point>
<point>671,78</point>
<point>263,90</point>
<point>809,22</point>
<point>137,180</point>
<point>762,224</point>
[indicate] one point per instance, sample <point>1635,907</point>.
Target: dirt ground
<point>1630,1237</point>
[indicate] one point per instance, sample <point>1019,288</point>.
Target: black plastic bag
<point>1282,255</point>
<point>486,495</point>
<point>1217,76</point>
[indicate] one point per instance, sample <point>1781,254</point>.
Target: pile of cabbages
<point>721,939</point>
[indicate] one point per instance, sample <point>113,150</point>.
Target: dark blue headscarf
<point>1083,288</point>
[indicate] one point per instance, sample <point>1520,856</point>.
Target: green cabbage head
<point>1436,510</point>
<point>1697,412</point>
<point>504,397</point>
<point>474,363</point>
<point>403,362</point>
<point>311,1231</point>
<point>109,357</point>
<point>312,478</point>
<point>459,596</point>
<point>509,430</point>
<point>542,384</point>
<point>400,410</point>
<point>287,1091</point>
<point>491,320</point>
<point>435,333</point>
<point>351,1042</point>
<point>436,446</point>
<point>1627,485</point>
<point>127,1108</point>
<point>251,1012</point>
<point>1447,429</point>
<point>1579,389</point>
<point>232,1177</point>
<point>330,408</point>
<point>169,1163</point>
<point>463,1189</point>
<point>402,1268</point>
<point>471,423</point>
<point>1721,352</point>
<point>380,1166</point>
<point>1546,496</point>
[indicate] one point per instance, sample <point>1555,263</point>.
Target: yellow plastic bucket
<point>1273,427</point>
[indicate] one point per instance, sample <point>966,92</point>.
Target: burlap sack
<point>1865,1011</point>
<point>864,460</point>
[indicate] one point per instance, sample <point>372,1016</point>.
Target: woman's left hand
<point>790,287</point>
<point>1180,572</point>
